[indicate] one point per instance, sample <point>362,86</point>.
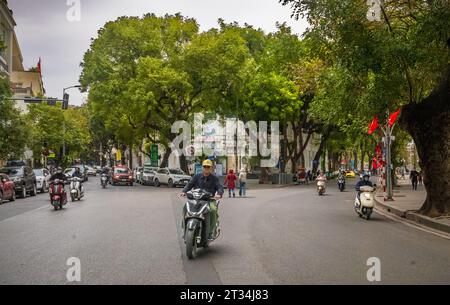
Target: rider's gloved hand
<point>182,194</point>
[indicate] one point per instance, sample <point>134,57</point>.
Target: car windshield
<point>69,170</point>
<point>176,171</point>
<point>12,171</point>
<point>148,171</point>
<point>38,172</point>
<point>121,171</point>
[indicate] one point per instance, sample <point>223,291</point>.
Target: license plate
<point>124,180</point>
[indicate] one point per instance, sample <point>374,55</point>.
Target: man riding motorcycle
<point>58,175</point>
<point>105,171</point>
<point>78,174</point>
<point>364,182</point>
<point>209,182</point>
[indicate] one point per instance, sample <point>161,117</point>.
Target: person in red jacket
<point>230,182</point>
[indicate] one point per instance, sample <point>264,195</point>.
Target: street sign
<point>119,155</point>
<point>154,155</point>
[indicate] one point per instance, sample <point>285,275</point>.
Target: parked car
<point>148,176</point>
<point>171,177</point>
<point>121,175</point>
<point>70,170</point>
<point>137,174</point>
<point>42,179</point>
<point>7,191</point>
<point>84,170</point>
<point>91,171</point>
<point>24,180</point>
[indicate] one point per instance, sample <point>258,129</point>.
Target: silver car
<point>148,176</point>
<point>42,179</point>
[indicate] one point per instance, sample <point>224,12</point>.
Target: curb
<point>427,221</point>
<point>414,217</point>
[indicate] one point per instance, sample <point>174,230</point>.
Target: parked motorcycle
<point>341,184</point>
<point>76,189</point>
<point>58,195</point>
<point>104,180</point>
<point>321,187</point>
<point>196,221</point>
<point>364,202</point>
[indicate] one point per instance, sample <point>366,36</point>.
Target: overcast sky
<point>43,29</point>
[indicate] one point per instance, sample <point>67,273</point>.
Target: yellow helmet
<point>207,163</point>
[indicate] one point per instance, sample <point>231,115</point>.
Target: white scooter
<point>321,187</point>
<point>365,203</point>
<point>76,189</point>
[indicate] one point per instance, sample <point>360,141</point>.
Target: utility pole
<point>388,138</point>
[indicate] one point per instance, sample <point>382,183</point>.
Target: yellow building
<point>23,83</point>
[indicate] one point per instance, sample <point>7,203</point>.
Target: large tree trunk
<point>184,164</point>
<point>428,124</point>
<point>165,159</point>
<point>323,141</point>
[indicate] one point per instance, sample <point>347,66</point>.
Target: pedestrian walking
<point>309,175</point>
<point>414,176</point>
<point>230,182</point>
<point>242,182</point>
<point>420,178</point>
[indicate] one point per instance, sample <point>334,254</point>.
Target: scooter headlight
<point>367,196</point>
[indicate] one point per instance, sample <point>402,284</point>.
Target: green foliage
<point>144,74</point>
<point>13,127</point>
<point>47,127</point>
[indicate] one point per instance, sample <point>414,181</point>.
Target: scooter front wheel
<point>191,243</point>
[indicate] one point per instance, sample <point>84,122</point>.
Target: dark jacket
<point>209,183</point>
<point>77,174</point>
<point>363,183</point>
<point>59,176</point>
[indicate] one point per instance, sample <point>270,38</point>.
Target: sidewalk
<point>407,202</point>
<point>253,184</point>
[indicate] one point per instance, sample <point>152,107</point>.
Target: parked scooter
<point>76,189</point>
<point>196,222</point>
<point>58,195</point>
<point>104,180</point>
<point>364,201</point>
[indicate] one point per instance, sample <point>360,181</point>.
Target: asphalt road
<point>132,235</point>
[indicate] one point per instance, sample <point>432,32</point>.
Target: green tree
<point>144,74</point>
<point>402,61</point>
<point>47,131</point>
<point>13,126</point>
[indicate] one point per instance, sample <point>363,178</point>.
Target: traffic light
<point>65,103</point>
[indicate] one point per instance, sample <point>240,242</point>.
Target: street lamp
<point>65,106</point>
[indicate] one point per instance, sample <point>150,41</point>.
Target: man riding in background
<point>210,183</point>
<point>78,174</point>
<point>58,175</point>
<point>364,182</point>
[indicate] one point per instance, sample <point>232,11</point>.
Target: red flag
<point>374,163</point>
<point>373,126</point>
<point>378,150</point>
<point>394,117</point>
<point>39,66</point>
